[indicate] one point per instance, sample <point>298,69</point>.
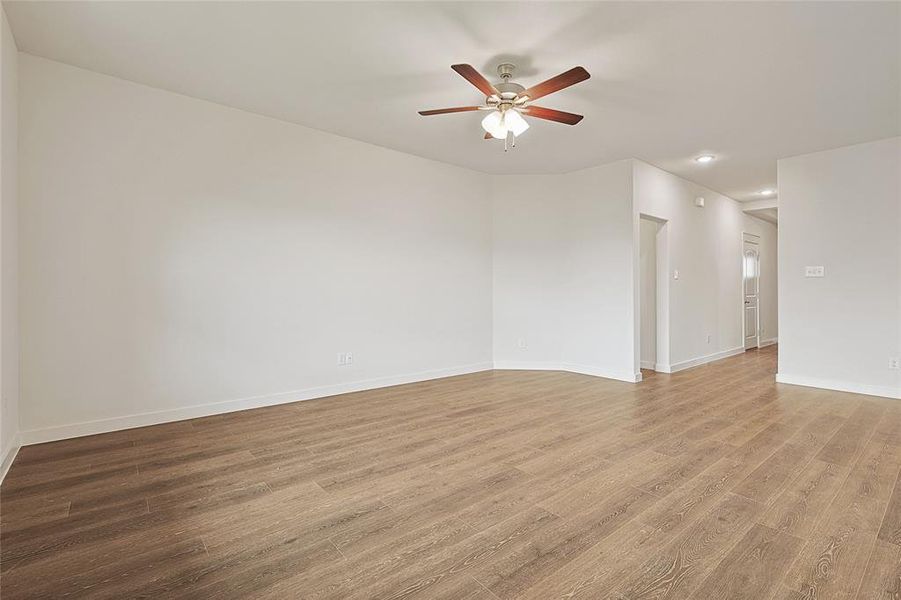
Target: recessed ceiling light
<point>767,192</point>
<point>705,158</point>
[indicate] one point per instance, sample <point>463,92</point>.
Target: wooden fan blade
<point>488,136</point>
<point>552,115</point>
<point>444,111</point>
<point>555,84</point>
<point>476,79</point>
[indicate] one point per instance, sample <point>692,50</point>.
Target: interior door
<point>751,280</point>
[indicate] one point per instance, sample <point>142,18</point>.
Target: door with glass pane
<point>751,286</point>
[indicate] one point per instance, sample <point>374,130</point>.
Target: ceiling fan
<point>508,101</point>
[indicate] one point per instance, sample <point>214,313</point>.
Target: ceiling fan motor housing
<point>507,87</point>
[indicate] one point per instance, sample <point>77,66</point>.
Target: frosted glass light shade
<point>514,122</point>
<point>493,123</point>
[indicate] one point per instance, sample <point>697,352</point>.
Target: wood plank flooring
<point>710,483</point>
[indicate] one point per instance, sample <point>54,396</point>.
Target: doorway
<point>653,294</point>
<point>751,289</point>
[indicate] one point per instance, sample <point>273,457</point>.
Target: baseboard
<point>62,432</point>
<point>588,370</point>
<point>648,364</point>
<point>510,365</point>
<point>701,360</point>
<point>840,386</point>
<point>769,342</point>
<point>526,365</point>
<point>9,456</point>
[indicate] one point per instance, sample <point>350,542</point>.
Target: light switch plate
<point>819,271</point>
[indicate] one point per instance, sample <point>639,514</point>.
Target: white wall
<point>600,277</point>
<point>563,274</point>
<point>648,290</point>
<point>9,325</point>
<point>567,264</point>
<point>528,246</point>
<point>841,209</point>
<point>177,253</point>
<point>705,246</point>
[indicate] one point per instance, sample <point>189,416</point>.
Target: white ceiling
<point>767,214</point>
<point>748,82</point>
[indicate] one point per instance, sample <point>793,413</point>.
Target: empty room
<point>450,300</point>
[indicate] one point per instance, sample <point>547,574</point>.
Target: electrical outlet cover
<point>815,271</point>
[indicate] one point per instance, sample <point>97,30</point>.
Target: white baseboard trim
<point>588,370</point>
<point>648,364</point>
<point>9,456</point>
<point>701,360</point>
<point>840,386</point>
<point>62,432</point>
<point>526,365</point>
<point>769,342</point>
<point>515,365</point>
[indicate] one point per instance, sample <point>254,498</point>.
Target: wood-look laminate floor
<point>710,483</point>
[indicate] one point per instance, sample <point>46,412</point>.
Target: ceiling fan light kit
<point>508,101</point>
<point>499,124</point>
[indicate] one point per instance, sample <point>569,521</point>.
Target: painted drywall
<point>647,265</point>
<point>841,209</point>
<point>180,258</point>
<point>9,322</point>
<point>705,246</point>
<point>562,271</point>
<point>600,278</point>
<point>568,265</point>
<point>528,238</point>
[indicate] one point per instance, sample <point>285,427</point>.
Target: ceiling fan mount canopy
<point>508,90</point>
<point>505,70</point>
